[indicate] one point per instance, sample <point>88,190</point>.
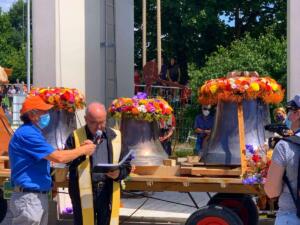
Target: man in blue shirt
<point>203,125</point>
<point>29,155</point>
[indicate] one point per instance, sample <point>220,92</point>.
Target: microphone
<point>98,137</point>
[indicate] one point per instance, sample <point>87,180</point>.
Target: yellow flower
<point>213,88</point>
<point>143,102</point>
<point>274,86</point>
<point>254,86</point>
<point>50,99</point>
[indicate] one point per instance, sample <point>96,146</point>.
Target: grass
<point>184,150</point>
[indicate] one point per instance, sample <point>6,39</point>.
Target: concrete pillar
<point>293,33</point>
<point>124,47</point>
<point>67,38</point>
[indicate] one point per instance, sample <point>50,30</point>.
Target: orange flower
<point>135,111</point>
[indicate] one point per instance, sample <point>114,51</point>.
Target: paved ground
<point>151,211</point>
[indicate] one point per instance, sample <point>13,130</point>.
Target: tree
<point>12,40</point>
<point>192,29</point>
<point>267,55</point>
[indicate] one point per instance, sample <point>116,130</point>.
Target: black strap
<point>288,184</point>
<point>293,139</point>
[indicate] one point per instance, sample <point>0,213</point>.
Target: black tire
<point>3,206</point>
<point>214,214</point>
<point>241,204</point>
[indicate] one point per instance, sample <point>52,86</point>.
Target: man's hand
<point>162,138</point>
<point>207,131</point>
<point>88,147</point>
<point>113,174</point>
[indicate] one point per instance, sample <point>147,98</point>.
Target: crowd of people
<point>9,90</point>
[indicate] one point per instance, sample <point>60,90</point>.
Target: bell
<point>223,147</point>
<point>142,137</point>
<point>62,124</point>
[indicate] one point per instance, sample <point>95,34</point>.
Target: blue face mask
<point>44,120</point>
<point>288,123</point>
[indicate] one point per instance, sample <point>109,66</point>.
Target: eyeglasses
<point>292,110</point>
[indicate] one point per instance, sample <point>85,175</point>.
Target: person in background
<point>167,129</point>
<point>163,70</point>
<point>285,160</point>
<point>103,200</point>
<point>279,115</point>
<point>137,79</point>
<point>30,157</point>
<point>202,126</point>
<point>173,71</point>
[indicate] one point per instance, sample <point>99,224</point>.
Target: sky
<point>6,4</point>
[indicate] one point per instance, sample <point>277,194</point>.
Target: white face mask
<point>205,112</point>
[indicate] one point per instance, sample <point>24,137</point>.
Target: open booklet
<point>107,167</point>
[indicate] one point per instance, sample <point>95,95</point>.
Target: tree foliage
<point>12,40</point>
<point>192,29</point>
<point>267,55</point>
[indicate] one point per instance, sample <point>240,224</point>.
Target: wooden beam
<point>210,171</point>
<point>242,138</point>
<point>158,24</point>
<point>192,187</point>
<point>144,29</point>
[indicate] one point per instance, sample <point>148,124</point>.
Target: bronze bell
<point>223,146</point>
<point>142,137</point>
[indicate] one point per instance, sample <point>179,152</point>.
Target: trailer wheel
<point>3,206</point>
<point>214,215</point>
<point>241,204</point>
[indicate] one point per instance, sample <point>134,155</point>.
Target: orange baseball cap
<point>34,102</point>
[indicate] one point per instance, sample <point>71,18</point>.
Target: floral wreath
<point>238,86</point>
<point>141,108</point>
<point>69,99</point>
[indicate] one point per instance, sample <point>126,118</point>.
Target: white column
<point>59,43</point>
<point>43,42</point>
<point>66,45</point>
<point>293,78</point>
<point>124,47</point>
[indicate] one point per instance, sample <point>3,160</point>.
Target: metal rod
<point>28,46</point>
<point>144,28</point>
<point>159,199</point>
<point>193,200</point>
<point>158,36</point>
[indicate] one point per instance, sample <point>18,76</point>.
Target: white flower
<point>233,86</point>
<point>142,108</point>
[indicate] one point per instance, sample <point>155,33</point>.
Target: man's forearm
<point>65,156</point>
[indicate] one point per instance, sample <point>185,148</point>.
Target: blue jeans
<point>198,146</point>
<point>287,218</point>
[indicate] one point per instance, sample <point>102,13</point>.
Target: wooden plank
<point>158,171</point>
<point>242,138</point>
<point>200,164</point>
<point>186,170</point>
<point>5,131</point>
<point>209,171</point>
<point>192,187</point>
<point>169,162</point>
<point>193,159</point>
<point>185,179</point>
